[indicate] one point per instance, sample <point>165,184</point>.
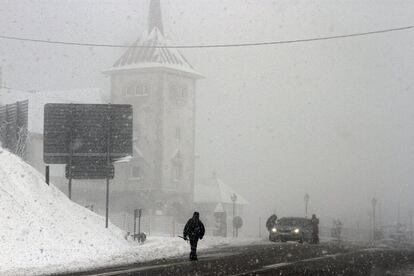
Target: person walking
<point>194,230</point>
<point>315,229</point>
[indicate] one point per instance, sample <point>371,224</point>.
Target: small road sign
<point>90,171</point>
<point>237,222</point>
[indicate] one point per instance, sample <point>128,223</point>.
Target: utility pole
<point>234,198</point>
<point>374,203</point>
<point>306,198</point>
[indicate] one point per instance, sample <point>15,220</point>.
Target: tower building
<point>160,84</point>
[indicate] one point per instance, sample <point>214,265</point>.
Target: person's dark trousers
<point>193,254</point>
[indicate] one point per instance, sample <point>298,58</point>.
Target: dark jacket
<point>194,228</point>
<point>315,225</point>
<point>271,222</point>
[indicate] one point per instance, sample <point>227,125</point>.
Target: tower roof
<point>148,51</point>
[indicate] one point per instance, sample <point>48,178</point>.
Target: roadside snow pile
<point>40,226</point>
<point>43,232</point>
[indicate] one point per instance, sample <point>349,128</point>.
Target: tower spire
<point>155,16</point>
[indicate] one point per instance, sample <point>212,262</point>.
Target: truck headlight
<point>296,231</point>
<point>274,230</point>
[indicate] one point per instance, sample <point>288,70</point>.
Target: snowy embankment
<point>43,232</point>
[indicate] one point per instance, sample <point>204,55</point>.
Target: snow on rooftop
<point>153,55</point>
<point>43,232</point>
<point>38,99</point>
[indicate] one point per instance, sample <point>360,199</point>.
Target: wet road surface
<point>271,259</point>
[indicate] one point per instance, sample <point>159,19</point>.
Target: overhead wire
<point>198,46</point>
<point>247,44</point>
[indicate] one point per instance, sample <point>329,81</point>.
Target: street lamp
<point>374,203</point>
<point>233,198</point>
<point>306,198</point>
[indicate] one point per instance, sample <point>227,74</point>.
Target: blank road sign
<point>90,171</point>
<point>83,130</point>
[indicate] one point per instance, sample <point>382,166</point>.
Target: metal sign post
<point>233,199</point>
<point>135,222</point>
<point>137,214</point>
<point>139,221</point>
<point>71,150</point>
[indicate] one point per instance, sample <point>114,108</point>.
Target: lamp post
<point>374,203</point>
<point>306,198</point>
<point>234,198</point>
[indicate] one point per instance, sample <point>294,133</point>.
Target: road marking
<point>205,257</point>
<point>278,265</point>
<point>137,269</point>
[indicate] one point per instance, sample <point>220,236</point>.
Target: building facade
<point>160,84</point>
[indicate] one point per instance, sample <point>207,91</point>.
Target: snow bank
<point>43,232</point>
<point>40,226</point>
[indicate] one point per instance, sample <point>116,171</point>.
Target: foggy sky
<point>331,118</point>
